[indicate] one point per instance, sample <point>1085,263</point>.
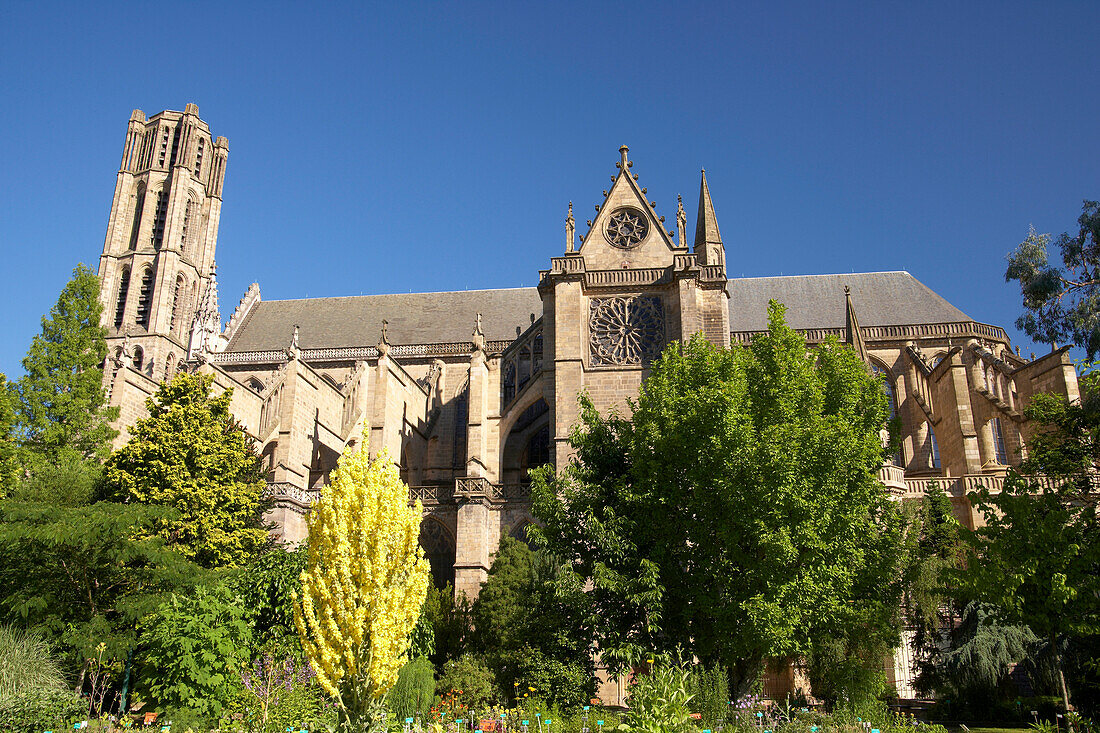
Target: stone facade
<point>467,390</point>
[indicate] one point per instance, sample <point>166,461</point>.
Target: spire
<point>708,240</point>
<point>208,319</point>
<point>853,336</point>
<point>570,230</point>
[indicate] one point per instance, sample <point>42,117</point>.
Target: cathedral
<point>468,389</point>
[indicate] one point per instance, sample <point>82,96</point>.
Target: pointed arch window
<point>935,448</point>
<point>536,353</point>
<point>185,242</point>
<point>145,299</point>
<point>999,441</point>
<point>178,297</point>
<point>509,382</point>
<point>198,157</point>
<point>139,209</point>
<point>123,291</point>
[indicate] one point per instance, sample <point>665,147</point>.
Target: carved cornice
<point>959,329</point>
<point>354,353</point>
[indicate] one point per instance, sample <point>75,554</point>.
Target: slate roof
<point>414,318</point>
<point>817,301</point>
<point>813,301</point>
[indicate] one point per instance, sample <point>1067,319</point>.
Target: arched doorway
<point>439,548</point>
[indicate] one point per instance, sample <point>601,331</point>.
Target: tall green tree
<point>530,624</point>
<point>9,464</point>
<point>61,399</point>
<point>1061,301</point>
<point>1036,560</point>
<point>192,455</point>
<point>737,512</point>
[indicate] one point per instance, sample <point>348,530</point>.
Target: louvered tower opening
<point>145,300</point>
<point>123,290</point>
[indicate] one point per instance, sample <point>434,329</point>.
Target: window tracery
<point>625,331</point>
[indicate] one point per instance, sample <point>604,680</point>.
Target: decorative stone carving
<point>624,331</point>
<point>626,227</point>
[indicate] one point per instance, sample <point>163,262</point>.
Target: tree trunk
<point>80,677</point>
<point>1061,680</point>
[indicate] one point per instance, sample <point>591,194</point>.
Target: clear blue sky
<point>408,147</point>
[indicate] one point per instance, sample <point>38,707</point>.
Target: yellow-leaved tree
<point>363,586</point>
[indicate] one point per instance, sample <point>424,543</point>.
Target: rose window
<point>626,228</point>
<point>625,330</point>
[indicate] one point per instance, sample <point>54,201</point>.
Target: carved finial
<point>624,163</point>
<point>681,221</point>
<point>294,351</point>
<point>479,335</point>
<point>384,339</point>
<point>570,230</point>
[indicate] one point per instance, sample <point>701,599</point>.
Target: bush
<point>303,707</point>
<point>26,663</point>
<point>36,710</point>
<point>564,685</point>
<point>194,649</point>
<point>412,695</point>
<point>709,689</point>
<point>470,679</point>
<point>659,702</point>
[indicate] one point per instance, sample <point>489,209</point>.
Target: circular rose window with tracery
<point>625,331</point>
<point>626,227</point>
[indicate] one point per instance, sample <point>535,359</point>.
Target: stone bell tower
<point>158,255</point>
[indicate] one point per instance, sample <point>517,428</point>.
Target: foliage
<point>1061,302</point>
<point>61,399</point>
<point>85,574</point>
<point>931,606</point>
<point>660,702</point>
<point>268,681</point>
<point>422,639</point>
<point>737,513</point>
<point>70,480</point>
<point>266,588</point>
<point>364,585</point>
<point>9,456</point>
<point>469,679</point>
<point>709,690</point>
<point>305,706</point>
<point>413,693</point>
<point>27,663</point>
<point>529,623</point>
<point>194,647</point>
<point>40,709</point>
<point>192,455</point>
<point>982,656</point>
<point>1036,559</point>
<point>844,670</point>
<point>450,622</point>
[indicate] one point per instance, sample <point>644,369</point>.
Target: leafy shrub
<point>39,709</point>
<point>709,689</point>
<point>470,679</point>
<point>303,707</point>
<point>563,684</point>
<point>26,663</point>
<point>659,702</point>
<point>194,649</point>
<point>414,691</point>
